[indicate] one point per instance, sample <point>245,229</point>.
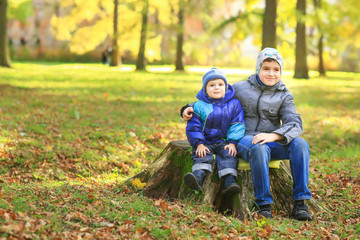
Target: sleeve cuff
<point>233,142</point>
<point>183,109</point>
<point>283,141</point>
<point>197,144</point>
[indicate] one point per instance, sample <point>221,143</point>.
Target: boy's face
<point>270,72</point>
<point>216,88</point>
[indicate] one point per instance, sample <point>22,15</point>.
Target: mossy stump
<point>165,179</point>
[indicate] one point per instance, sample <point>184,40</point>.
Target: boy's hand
<point>266,138</point>
<point>232,149</point>
<point>201,150</point>
<point>187,114</point>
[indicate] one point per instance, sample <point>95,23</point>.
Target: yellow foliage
<point>85,40</point>
<point>85,28</point>
<point>167,11</point>
<point>137,183</point>
<point>287,8</point>
<point>153,48</point>
<point>60,30</point>
<point>286,50</point>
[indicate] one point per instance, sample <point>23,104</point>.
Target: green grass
<point>70,134</point>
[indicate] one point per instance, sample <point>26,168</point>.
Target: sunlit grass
<point>73,133</point>
<point>82,97</point>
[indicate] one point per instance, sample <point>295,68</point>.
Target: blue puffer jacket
<point>216,120</point>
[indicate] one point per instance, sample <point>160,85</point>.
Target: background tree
<point>140,63</point>
<point>301,68</point>
<point>320,45</point>
<point>86,27</point>
<point>254,16</point>
<point>341,27</point>
<point>85,24</point>
<point>269,24</point>
<point>115,58</point>
<point>179,64</point>
<point>20,10</point>
<point>234,29</point>
<point>4,48</point>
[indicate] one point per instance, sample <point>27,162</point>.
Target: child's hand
<point>201,150</point>
<point>187,114</point>
<point>232,149</point>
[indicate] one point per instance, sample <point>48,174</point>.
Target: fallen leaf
<point>137,183</point>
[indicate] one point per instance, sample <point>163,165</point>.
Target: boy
<point>216,127</point>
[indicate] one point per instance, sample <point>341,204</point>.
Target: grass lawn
<point>70,134</point>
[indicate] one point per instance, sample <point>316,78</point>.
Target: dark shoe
<point>265,211</point>
<point>230,186</point>
<point>195,179</point>
<point>300,211</point>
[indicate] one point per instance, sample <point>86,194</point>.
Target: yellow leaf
<point>137,183</point>
<point>137,163</point>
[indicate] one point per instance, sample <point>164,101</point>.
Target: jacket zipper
<point>258,111</point>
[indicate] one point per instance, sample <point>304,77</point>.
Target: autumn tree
<point>301,68</point>
<point>83,24</point>
<point>337,33</point>
<point>250,16</point>
<point>320,45</point>
<point>115,58</point>
<point>86,25</point>
<point>349,36</point>
<point>179,64</point>
<point>269,24</point>
<point>140,63</point>
<point>4,49</point>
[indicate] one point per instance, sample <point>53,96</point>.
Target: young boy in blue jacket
<point>216,127</point>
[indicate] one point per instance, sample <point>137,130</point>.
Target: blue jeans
<point>226,163</point>
<point>297,151</point>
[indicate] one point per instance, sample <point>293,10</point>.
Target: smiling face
<point>270,72</point>
<point>216,88</point>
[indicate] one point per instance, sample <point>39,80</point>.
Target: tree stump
<point>164,178</point>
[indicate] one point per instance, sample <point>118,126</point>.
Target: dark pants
<point>226,163</point>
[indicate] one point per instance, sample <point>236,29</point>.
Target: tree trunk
<point>4,48</point>
<point>179,65</point>
<point>321,59</point>
<point>321,68</point>
<point>269,24</point>
<point>140,63</point>
<point>301,68</point>
<point>115,58</point>
<point>164,179</point>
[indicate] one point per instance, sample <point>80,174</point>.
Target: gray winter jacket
<point>268,109</point>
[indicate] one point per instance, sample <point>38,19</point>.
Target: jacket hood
<point>230,93</point>
<point>278,86</point>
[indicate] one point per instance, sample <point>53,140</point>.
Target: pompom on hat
<point>269,53</point>
<point>214,73</point>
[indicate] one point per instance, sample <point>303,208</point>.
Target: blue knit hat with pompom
<point>214,73</point>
